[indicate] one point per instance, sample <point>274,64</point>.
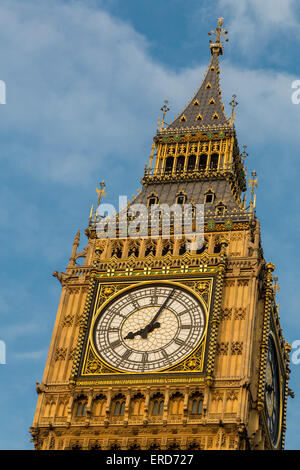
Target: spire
<point>206,111</point>
<point>217,46</point>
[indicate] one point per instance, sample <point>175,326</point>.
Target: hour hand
<point>143,333</point>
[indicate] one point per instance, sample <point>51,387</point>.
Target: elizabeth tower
<point>157,345</point>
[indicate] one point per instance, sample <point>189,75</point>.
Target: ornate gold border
<point>193,363</point>
<point>280,385</point>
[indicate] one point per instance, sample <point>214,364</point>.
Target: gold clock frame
<point>200,287</point>
<point>280,378</point>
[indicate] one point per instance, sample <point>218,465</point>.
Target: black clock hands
<point>143,332</point>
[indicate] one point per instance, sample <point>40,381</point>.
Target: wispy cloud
<point>250,21</point>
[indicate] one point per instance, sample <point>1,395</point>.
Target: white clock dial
<point>149,328</point>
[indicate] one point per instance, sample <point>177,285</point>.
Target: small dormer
<point>152,199</point>
<point>209,197</point>
<point>220,208</point>
<point>180,198</point>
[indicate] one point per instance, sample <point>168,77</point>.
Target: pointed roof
<point>206,110</point>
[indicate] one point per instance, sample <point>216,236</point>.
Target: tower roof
<point>206,110</point>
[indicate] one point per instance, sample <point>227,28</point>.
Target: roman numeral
<point>145,357</point>
<point>179,342</point>
<point>115,344</point>
<point>126,354</point>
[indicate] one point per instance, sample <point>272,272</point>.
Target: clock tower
<point>161,343</point>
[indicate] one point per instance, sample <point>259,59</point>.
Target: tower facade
<point>159,342</point>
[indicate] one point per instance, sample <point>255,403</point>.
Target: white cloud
<point>251,21</point>
<point>81,88</point>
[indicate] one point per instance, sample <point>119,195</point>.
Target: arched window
<point>180,163</point>
<point>155,407</point>
<point>203,161</point>
<point>80,406</point>
<point>191,162</point>
<point>79,409</point>
<point>197,406</point>
<point>157,404</point>
<point>196,403</point>
<point>117,250</point>
<point>214,160</point>
<point>117,408</point>
<point>119,405</point>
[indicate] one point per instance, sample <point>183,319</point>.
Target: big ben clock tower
<point>159,343</point>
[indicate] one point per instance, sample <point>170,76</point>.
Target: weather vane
<point>164,109</point>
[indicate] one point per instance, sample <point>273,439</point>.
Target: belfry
<point>163,344</point>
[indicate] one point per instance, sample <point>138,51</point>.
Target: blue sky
<point>85,83</point>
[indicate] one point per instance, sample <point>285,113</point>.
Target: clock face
<point>272,392</point>
<point>149,328</point>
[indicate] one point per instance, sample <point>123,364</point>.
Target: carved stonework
<point>222,349</point>
<point>226,313</point>
<point>60,354</point>
<point>236,348</point>
<point>68,320</point>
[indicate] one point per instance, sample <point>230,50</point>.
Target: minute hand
<point>161,308</point>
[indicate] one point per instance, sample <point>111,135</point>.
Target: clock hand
<point>143,332</point>
<point>161,308</point>
<point>153,323</point>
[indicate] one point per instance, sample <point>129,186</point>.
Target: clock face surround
<point>149,328</point>
<point>273,392</point>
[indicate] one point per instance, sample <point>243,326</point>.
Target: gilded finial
<point>253,184</point>
<point>164,109</point>
<point>217,46</point>
<point>233,103</point>
<point>101,192</point>
<point>244,154</point>
<point>276,285</point>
